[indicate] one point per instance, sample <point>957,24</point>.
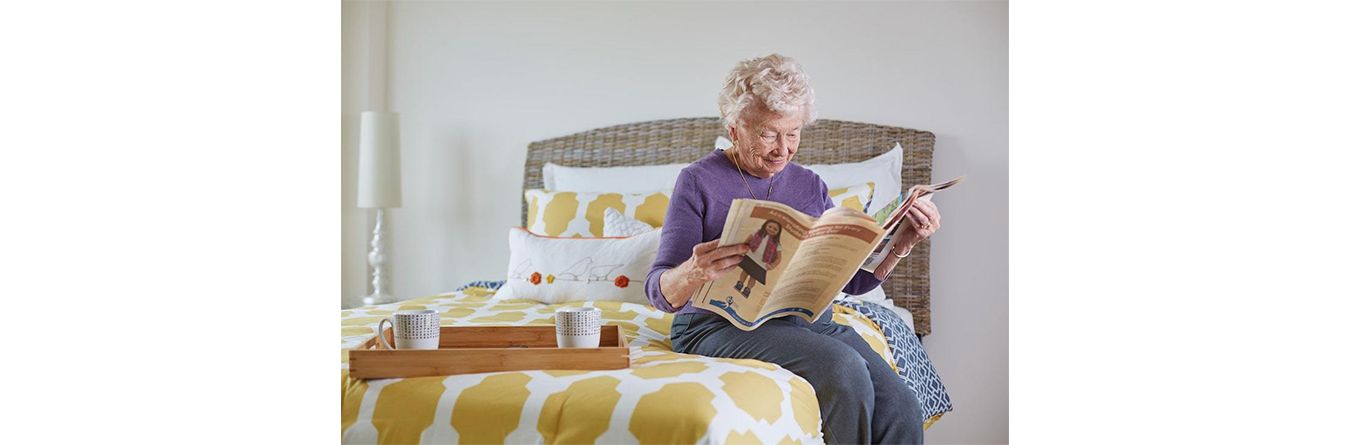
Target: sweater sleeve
<point>682,230</point>
<point>862,280</point>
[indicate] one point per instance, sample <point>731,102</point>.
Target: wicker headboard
<point>686,140</point>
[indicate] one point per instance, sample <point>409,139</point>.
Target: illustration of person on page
<point>762,258</point>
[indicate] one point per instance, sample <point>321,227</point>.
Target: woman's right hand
<point>706,263</point>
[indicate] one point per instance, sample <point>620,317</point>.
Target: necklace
<point>747,182</point>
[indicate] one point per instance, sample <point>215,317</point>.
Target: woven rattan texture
<point>824,142</point>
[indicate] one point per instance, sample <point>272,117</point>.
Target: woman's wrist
<point>682,275</point>
<point>901,253</point>
<point>907,243</point>
<point>675,283</point>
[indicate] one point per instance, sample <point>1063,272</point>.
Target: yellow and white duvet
<point>662,398</point>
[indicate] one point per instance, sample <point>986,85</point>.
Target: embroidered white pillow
<point>616,224</point>
<point>556,270</point>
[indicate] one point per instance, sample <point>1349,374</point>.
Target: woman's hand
<point>707,263</point>
<point>924,221</point>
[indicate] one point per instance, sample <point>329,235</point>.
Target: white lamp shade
<point>379,184</point>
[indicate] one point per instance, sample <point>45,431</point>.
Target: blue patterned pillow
<point>485,284</point>
<point>910,358</point>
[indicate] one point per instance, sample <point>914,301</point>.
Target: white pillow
<point>555,270</point>
<point>883,171</point>
<point>636,179</point>
<point>618,224</point>
<point>876,295</point>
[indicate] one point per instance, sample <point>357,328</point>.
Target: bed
<point>664,397</point>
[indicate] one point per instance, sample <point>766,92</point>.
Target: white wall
<point>476,82</point>
<point>364,87</point>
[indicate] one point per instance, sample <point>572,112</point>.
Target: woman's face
<point>766,140</point>
<point>772,228</point>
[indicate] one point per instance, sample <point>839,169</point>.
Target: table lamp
<point>379,186</point>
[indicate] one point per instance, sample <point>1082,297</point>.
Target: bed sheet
<point>664,397</point>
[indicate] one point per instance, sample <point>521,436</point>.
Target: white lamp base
<point>374,299</point>
<point>378,294</point>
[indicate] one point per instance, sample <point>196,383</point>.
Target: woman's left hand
<point>924,221</point>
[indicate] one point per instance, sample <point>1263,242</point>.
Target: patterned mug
<point>419,329</point>
<point>578,327</point>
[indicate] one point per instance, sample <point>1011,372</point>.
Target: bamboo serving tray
<point>475,349</point>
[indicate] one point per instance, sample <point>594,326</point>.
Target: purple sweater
<point>699,207</point>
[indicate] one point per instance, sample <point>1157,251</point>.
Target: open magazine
<point>797,264</point>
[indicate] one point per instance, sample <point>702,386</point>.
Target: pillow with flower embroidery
<point>561,269</point>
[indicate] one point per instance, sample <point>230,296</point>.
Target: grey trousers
<point>862,400</point>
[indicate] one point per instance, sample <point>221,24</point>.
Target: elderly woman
<point>765,104</point>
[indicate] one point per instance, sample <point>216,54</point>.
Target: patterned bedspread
<point>664,397</point>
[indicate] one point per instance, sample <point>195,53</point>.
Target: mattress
<point>664,397</point>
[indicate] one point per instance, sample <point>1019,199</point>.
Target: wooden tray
<point>474,349</point>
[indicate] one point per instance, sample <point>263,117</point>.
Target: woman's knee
<point>835,365</point>
<point>911,424</point>
<point>910,414</point>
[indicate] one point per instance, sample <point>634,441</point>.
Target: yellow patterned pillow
<point>856,197</point>
<point>582,214</point>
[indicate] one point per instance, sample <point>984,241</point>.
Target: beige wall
<point>476,82</point>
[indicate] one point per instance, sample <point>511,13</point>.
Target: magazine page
<point>828,257</point>
<point>774,233</point>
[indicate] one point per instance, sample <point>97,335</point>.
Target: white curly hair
<point>774,80</point>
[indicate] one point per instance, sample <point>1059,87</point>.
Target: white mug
<point>578,327</point>
<point>419,329</point>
